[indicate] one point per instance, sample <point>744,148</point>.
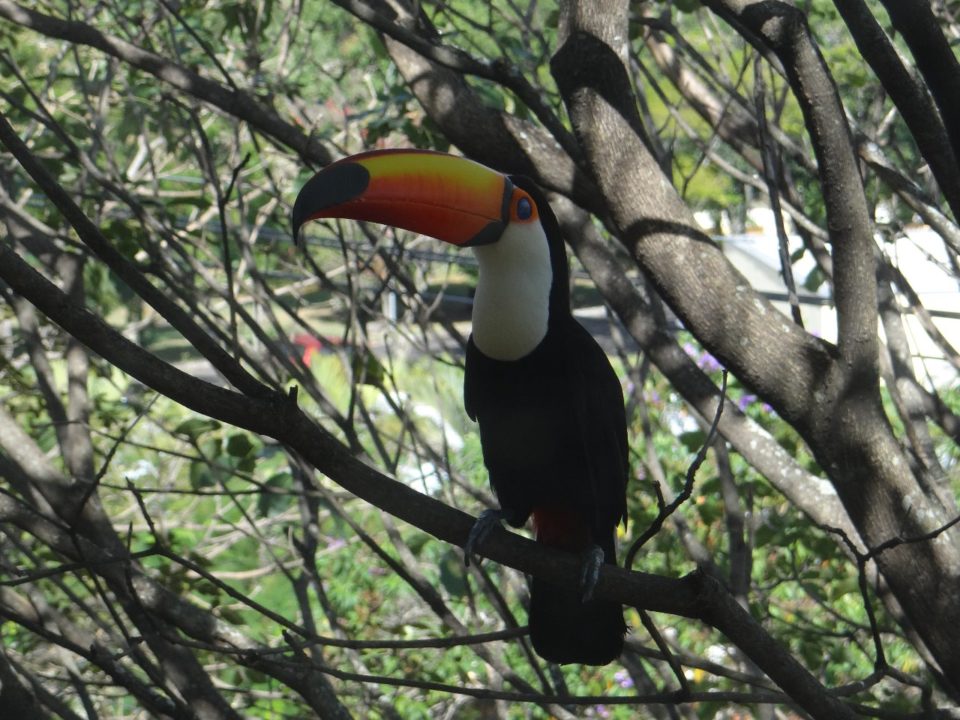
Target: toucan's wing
<point>553,429</point>
<point>564,628</point>
<point>598,404</point>
<point>513,405</point>
<point>471,378</point>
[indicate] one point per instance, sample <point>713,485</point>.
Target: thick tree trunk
<point>833,397</point>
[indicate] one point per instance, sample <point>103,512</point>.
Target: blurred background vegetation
<point>369,325</point>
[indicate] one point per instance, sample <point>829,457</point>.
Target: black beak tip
<point>334,185</point>
<point>296,221</point>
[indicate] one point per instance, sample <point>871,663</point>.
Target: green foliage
<point>243,525</point>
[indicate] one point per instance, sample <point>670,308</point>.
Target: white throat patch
<point>511,305</point>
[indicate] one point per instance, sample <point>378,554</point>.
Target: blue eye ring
<point>524,208</point>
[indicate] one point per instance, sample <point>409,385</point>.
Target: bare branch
<point>687,490</point>
<point>237,103</point>
<point>910,97</point>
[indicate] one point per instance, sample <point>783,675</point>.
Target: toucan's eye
<point>523,208</point>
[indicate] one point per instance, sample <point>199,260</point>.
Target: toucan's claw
<point>488,520</point>
<point>592,562</point>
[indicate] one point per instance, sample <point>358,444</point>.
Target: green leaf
<point>368,370</point>
<point>234,617</point>
<point>693,439</point>
<point>417,542</point>
<point>452,573</point>
<point>211,448</point>
<point>814,280</point>
<point>843,586</point>
<point>201,476</point>
<point>239,445</point>
<point>196,426</point>
<point>124,236</point>
<point>273,503</point>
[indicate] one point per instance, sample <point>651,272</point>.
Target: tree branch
<point>910,97</point>
<point>783,28</point>
<point>936,61</point>
<point>101,247</point>
<point>236,103</point>
<point>499,71</point>
<point>691,596</point>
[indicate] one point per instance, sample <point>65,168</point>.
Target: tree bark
<point>834,399</point>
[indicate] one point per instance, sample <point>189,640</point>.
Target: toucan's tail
<point>564,628</point>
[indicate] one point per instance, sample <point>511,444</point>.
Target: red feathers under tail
<point>563,628</point>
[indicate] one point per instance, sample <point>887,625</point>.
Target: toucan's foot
<point>488,520</point>
<point>592,562</point>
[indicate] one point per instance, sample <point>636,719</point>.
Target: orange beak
<point>446,197</point>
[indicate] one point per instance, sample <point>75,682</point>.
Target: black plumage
<point>553,434</point>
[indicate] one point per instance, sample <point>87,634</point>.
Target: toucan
<point>548,404</point>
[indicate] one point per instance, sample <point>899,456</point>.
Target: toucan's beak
<point>446,197</point>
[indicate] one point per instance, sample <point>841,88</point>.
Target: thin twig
<point>684,494</point>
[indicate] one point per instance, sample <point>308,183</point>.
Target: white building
<point>919,254</point>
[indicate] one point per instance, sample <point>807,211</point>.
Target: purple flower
<point>708,362</point>
<point>705,361</point>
